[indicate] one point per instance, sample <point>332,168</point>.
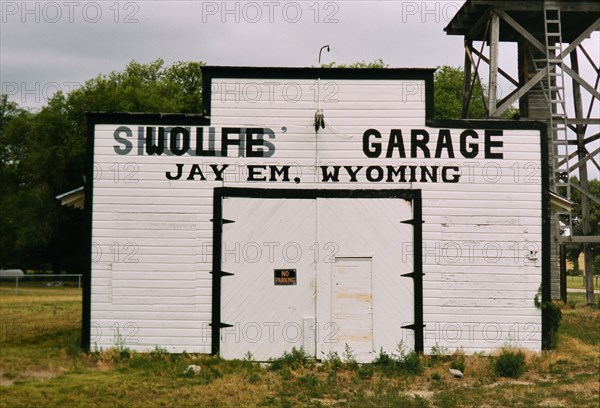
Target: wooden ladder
<point>556,98</point>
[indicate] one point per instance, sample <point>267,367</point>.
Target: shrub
<point>510,363</point>
<point>349,358</point>
<point>159,353</point>
<point>435,376</point>
<point>410,363</point>
<point>383,359</point>
<point>333,361</point>
<point>311,385</point>
<point>294,359</point>
<point>400,363</point>
<point>551,311</point>
<point>437,353</point>
<point>458,361</point>
<point>365,371</point>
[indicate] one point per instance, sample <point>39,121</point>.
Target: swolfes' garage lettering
<point>257,142</point>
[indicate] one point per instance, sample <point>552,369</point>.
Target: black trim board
<point>411,195</point>
<point>162,119</point>
<point>546,237</point>
<point>502,124</point>
<point>86,306</point>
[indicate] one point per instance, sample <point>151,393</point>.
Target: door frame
<point>414,196</point>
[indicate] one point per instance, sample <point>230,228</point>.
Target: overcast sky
<point>56,45</point>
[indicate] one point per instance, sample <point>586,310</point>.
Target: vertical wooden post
<point>467,81</point>
<point>583,182</point>
<point>493,84</point>
<point>563,273</point>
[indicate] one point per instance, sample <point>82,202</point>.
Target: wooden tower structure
<point>551,39</point>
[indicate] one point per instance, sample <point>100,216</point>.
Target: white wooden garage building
<point>247,230</point>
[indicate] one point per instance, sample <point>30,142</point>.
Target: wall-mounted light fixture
<point>319,115</point>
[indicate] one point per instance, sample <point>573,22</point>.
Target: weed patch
<point>42,366</point>
<point>294,359</point>
<point>458,361</point>
<point>510,363</point>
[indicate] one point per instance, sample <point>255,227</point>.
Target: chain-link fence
<point>26,281</point>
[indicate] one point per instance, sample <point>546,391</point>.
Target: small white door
<point>353,306</point>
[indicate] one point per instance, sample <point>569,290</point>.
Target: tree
<point>43,155</point>
<point>378,63</point>
<point>12,152</point>
<point>448,94</point>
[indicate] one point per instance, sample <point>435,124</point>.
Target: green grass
<point>578,325</point>
<point>40,365</point>
<point>578,282</point>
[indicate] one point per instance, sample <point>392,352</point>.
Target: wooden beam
<point>586,225</point>
<point>483,20</point>
<point>476,78</point>
<point>585,34</point>
<point>596,163</point>
<point>518,93</point>
<point>467,81</point>
<point>585,193</point>
<point>581,239</point>
<point>493,71</point>
<point>581,81</point>
<point>592,100</point>
<point>575,153</point>
<point>584,160</point>
<point>582,6</point>
<point>583,121</point>
<point>500,70</point>
<point>592,138</point>
<point>590,60</point>
<point>571,155</point>
<point>519,28</point>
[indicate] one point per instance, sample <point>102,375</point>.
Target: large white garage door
<point>268,234</point>
<point>318,273</point>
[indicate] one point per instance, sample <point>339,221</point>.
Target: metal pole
<point>79,284</point>
<point>17,285</point>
